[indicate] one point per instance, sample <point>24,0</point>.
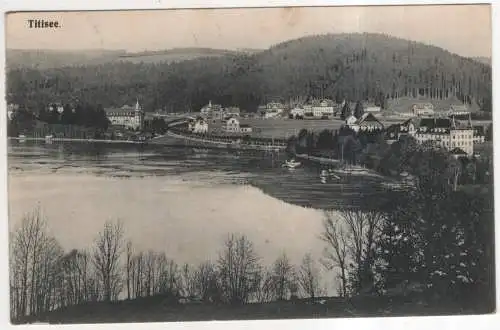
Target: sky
<point>461,29</point>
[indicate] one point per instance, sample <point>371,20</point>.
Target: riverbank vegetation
<point>80,121</point>
<point>371,150</point>
<point>432,246</point>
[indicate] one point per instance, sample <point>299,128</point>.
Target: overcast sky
<point>462,29</point>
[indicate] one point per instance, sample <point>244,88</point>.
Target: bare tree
<point>308,277</point>
<point>238,268</point>
<point>129,267</point>
<point>169,278</point>
<point>207,286</point>
<point>137,275</point>
<point>282,277</point>
<point>188,281</point>
<point>351,240</point>
<point>106,258</point>
<point>364,228</point>
<point>34,257</point>
<point>335,255</point>
<point>75,277</point>
<point>149,280</point>
<point>265,290</point>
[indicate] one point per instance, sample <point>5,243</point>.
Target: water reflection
<point>302,186</point>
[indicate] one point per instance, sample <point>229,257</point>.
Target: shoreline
<point>74,140</point>
<point>224,145</point>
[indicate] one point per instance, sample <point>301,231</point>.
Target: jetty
<point>219,142</point>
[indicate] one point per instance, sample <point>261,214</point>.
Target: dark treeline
<point>79,116</point>
<point>345,66</point>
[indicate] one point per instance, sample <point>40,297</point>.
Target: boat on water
<point>351,170</point>
<point>328,174</point>
<point>333,175</point>
<point>48,138</point>
<point>291,164</point>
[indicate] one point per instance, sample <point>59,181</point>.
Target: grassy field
<point>282,127</point>
<point>404,104</point>
<point>285,128</point>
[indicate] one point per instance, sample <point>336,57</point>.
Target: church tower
<point>138,116</point>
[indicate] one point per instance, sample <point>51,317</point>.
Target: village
<point>452,128</point>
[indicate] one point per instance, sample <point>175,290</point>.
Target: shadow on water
<point>263,170</point>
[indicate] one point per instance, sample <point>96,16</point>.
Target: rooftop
<point>368,117</point>
<point>458,151</point>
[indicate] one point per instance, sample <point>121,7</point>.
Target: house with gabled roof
<point>367,123</point>
<point>126,116</point>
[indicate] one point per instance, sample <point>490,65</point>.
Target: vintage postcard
<point>250,163</point>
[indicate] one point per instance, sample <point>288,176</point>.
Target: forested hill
<point>482,59</point>
<point>46,58</point>
<point>52,59</point>
<point>355,66</point>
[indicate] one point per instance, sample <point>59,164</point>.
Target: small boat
<point>48,138</point>
<point>22,138</point>
<point>333,175</point>
<point>328,174</point>
<point>351,170</point>
<point>291,164</point>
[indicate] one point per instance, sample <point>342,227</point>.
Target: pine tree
<point>346,111</point>
<point>359,110</point>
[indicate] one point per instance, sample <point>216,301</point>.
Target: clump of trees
<point>434,239</point>
<point>343,143</point>
<point>77,118</point>
<point>86,115</point>
<point>371,150</point>
<point>43,277</point>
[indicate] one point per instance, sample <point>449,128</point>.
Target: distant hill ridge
<point>359,66</point>
<point>48,58</point>
<point>482,59</point>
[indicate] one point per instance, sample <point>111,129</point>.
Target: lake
<point>179,200</point>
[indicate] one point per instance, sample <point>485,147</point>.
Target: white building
<point>232,112</point>
<point>367,123</point>
<point>198,126</point>
<point>297,113</point>
<point>231,125</point>
<point>322,108</point>
<point>373,109</point>
<point>308,110</point>
<point>11,109</point>
<point>446,132</point>
<point>458,110</point>
<point>422,109</point>
<point>351,120</point>
<point>129,117</point>
<point>479,135</point>
<point>272,110</point>
<point>214,111</point>
<point>245,128</point>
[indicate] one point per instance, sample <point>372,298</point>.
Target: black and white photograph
<point>237,164</point>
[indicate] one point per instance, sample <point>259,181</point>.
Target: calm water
<point>178,200</point>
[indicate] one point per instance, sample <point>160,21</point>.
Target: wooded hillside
<point>371,67</point>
